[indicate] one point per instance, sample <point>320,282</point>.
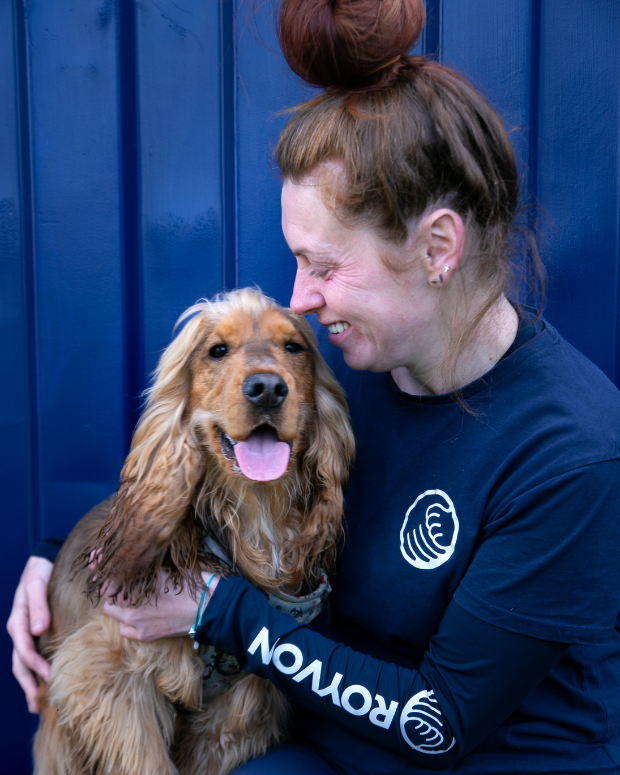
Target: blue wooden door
<point>135,178</point>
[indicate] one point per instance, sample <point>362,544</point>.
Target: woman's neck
<point>490,341</point>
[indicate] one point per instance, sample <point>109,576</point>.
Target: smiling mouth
<point>339,327</point>
<point>261,457</point>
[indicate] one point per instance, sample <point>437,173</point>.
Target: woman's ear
<point>158,481</point>
<point>443,235</point>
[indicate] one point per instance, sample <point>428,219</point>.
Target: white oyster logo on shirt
<point>429,532</point>
<point>428,731</point>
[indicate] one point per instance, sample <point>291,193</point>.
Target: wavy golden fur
<point>112,705</point>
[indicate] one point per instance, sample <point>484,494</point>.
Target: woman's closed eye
<point>321,270</point>
<point>319,273</point>
<point>314,269</point>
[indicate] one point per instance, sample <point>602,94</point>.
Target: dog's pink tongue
<point>261,456</point>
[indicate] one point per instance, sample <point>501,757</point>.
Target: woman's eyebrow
<point>317,255</point>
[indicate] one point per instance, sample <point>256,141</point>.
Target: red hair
<point>345,42</point>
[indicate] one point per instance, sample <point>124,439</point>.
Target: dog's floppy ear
<point>150,523</point>
<point>329,455</point>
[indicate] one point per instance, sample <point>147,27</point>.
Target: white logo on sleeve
<point>427,728</point>
<point>429,532</point>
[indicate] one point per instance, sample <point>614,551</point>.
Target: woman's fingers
<point>130,620</point>
<point>30,616</point>
<point>27,681</point>
<point>127,631</point>
<point>116,610</point>
<point>23,642</point>
<point>38,608</point>
<point>108,590</point>
<point>93,561</point>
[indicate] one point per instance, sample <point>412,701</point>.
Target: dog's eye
<point>293,347</point>
<point>218,351</point>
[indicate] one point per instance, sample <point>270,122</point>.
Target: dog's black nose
<point>265,390</point>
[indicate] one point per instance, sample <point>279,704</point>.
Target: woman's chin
<point>357,359</point>
<point>358,352</point>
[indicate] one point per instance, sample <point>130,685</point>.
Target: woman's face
<point>388,317</point>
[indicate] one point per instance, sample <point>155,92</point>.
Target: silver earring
<point>446,269</point>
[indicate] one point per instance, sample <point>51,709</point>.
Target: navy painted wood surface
<point>136,177</point>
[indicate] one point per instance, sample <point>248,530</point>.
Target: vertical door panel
<point>14,312</point>
<point>264,86</point>
<point>489,42</point>
<point>74,127</point>
<point>179,72</point>
<point>578,172</point>
<point>17,459</point>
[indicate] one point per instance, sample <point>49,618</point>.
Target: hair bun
<point>337,42</point>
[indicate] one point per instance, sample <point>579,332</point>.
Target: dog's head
<point>252,386</point>
<point>246,426</point>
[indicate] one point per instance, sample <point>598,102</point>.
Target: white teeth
<point>232,441</point>
<point>338,328</point>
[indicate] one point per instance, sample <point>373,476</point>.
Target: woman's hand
<point>173,613</point>
<point>30,616</point>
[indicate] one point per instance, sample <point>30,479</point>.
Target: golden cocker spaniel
<point>238,462</point>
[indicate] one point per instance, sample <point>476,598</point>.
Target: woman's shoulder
<point>563,366</point>
<point>560,395</point>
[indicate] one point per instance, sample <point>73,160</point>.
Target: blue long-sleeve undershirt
<point>473,675</point>
<point>49,547</point>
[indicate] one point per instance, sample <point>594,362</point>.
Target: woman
<point>473,614</point>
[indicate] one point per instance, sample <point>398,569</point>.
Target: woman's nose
<point>306,298</point>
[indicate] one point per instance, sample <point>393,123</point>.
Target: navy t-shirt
<point>512,511</point>
<point>525,496</point>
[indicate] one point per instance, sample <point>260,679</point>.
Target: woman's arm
<point>473,676</point>
<point>173,614</point>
